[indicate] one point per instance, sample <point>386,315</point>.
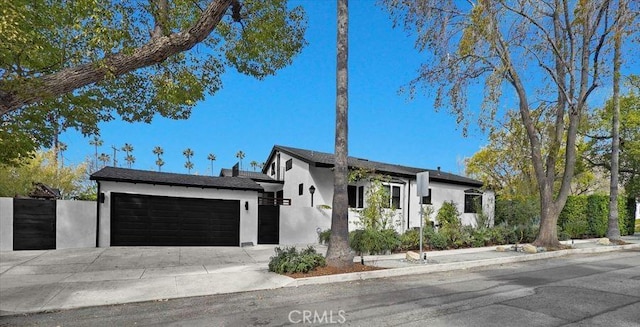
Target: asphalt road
<point>578,290</point>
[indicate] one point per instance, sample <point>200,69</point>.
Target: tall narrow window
<point>427,199</point>
<point>361,197</point>
<point>300,189</point>
<point>387,195</point>
<point>273,168</point>
<point>288,164</point>
<point>351,192</point>
<point>395,197</point>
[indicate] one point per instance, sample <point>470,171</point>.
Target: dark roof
<point>42,191</point>
<point>151,177</point>
<point>253,175</point>
<point>323,159</point>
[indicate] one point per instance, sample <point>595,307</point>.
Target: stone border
<point>407,271</point>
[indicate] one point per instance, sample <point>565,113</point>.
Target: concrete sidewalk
<point>34,281</point>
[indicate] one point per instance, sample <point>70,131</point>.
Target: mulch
<point>326,270</point>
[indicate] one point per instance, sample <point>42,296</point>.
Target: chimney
<point>235,171</point>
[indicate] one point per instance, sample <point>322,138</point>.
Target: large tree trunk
<point>157,50</point>
<point>613,232</point>
<point>339,254</point>
<point>548,233</point>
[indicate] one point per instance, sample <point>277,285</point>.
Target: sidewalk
<point>34,281</point>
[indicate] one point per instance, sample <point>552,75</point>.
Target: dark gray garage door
<point>171,221</point>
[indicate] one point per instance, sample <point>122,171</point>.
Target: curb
<point>406,271</point>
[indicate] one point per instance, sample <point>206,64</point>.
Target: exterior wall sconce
<point>246,205</point>
<point>312,190</point>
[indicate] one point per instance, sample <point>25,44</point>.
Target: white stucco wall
<point>6,224</point>
<point>300,225</point>
<point>441,192</point>
<point>248,218</point>
<point>75,224</point>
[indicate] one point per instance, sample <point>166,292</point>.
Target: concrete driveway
<point>62,279</point>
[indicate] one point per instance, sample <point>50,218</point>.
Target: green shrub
<point>597,214</point>
<point>374,241</point>
<point>289,260</point>
<point>481,237</point>
<point>589,216</point>
<point>448,215</point>
<point>434,239</point>
<point>517,212</point>
<point>410,240</point>
<point>324,236</point>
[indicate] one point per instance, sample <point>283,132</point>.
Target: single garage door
<point>141,220</point>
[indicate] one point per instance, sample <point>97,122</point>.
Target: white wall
<point>248,218</point>
<point>300,225</point>
<point>6,224</point>
<point>75,224</point>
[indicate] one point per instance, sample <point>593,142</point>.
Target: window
<point>387,191</point>
<point>300,189</point>
<point>426,199</point>
<point>273,168</point>
<point>288,164</point>
<point>472,201</point>
<point>361,197</point>
<point>395,197</point>
<point>351,192</point>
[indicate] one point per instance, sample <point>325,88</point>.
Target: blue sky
<point>297,107</point>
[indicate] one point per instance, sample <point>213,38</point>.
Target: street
<point>576,290</point>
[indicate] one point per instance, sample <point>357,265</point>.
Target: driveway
<point>61,279</point>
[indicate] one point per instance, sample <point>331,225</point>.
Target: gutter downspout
<point>98,217</point>
<point>409,206</point>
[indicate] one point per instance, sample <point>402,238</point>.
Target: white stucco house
<point>290,175</point>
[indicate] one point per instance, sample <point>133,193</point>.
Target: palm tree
<point>96,142</point>
<point>339,254</point>
<point>159,163</point>
<point>254,165</point>
<point>211,157</point>
<point>104,158</point>
<point>188,153</point>
<point>158,151</point>
<point>240,155</point>
<point>129,158</point>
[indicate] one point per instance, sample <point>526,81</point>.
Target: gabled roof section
<point>323,159</point>
<point>253,175</point>
<point>125,175</point>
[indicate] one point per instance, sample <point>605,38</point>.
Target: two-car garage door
<point>139,220</point>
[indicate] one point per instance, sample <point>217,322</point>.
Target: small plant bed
<point>326,270</point>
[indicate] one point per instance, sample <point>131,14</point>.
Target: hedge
<point>587,216</point>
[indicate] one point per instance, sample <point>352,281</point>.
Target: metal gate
<point>34,224</point>
<point>268,224</point>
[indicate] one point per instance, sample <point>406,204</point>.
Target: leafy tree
<point>254,165</point>
<point>86,62</point>
<point>240,155</point>
<point>188,153</point>
<point>158,151</point>
<point>338,253</point>
<point>211,157</point>
<point>549,54</point>
<point>505,164</point>
<point>41,167</point>
<point>129,158</point>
